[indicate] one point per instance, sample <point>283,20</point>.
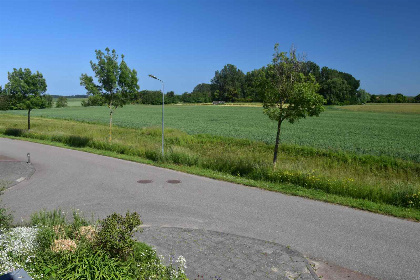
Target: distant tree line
<point>394,98</point>
<point>338,88</point>
<point>71,96</point>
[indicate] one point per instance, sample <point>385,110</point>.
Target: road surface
<point>376,245</point>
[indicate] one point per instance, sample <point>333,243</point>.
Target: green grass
<point>381,184</point>
<point>390,134</point>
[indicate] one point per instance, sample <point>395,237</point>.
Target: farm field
<point>338,129</point>
<point>72,102</point>
<point>407,108</point>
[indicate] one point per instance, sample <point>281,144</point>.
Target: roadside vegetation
<point>377,183</point>
<point>336,129</point>
<point>52,246</point>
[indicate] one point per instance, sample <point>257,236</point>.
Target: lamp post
<point>163,103</point>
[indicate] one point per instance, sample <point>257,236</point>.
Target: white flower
<point>16,243</point>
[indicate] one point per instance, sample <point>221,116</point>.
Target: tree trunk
<point>29,119</point>
<point>276,147</point>
<point>110,126</point>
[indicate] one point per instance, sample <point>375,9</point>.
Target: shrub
<point>93,100</point>
<point>116,232</point>
<point>61,102</point>
<point>17,132</point>
<point>77,141</point>
<point>153,155</point>
<point>5,219</point>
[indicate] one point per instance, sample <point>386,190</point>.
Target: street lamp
<point>163,103</point>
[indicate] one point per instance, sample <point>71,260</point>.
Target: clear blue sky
<point>185,42</point>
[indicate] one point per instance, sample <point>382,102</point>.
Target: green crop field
<point>374,133</point>
<point>406,108</point>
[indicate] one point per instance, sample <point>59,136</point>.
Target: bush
<point>77,141</point>
<point>116,232</point>
<point>61,102</point>
<point>93,100</point>
<point>17,132</point>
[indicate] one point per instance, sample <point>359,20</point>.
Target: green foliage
<point>42,259</point>
<point>118,84</point>
<point>252,90</point>
<point>151,97</point>
<point>382,133</point>
<point>362,96</point>
<point>289,95</point>
<point>310,67</point>
<point>4,100</point>
<point>25,90</point>
<point>170,98</point>
<point>5,217</point>
<point>417,99</point>
<point>336,91</point>
<point>17,132</point>
<point>61,102</point>
<point>227,83</point>
<point>48,218</point>
<point>338,87</point>
<point>93,100</point>
<point>388,98</point>
<point>47,101</point>
<point>116,232</point>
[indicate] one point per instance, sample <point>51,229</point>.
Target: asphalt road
<point>376,245</point>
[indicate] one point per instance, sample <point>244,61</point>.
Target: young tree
<point>289,94</point>
<point>117,83</point>
<point>25,90</point>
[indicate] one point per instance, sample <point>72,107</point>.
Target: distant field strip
<point>406,108</point>
<point>380,133</point>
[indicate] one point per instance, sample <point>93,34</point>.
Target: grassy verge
<point>52,246</point>
<point>379,184</point>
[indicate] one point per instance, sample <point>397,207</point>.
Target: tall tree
<point>170,97</point>
<point>310,67</point>
<point>227,84</point>
<point>25,90</point>
<point>338,87</point>
<point>202,93</point>
<point>400,98</point>
<point>363,96</point>
<point>416,99</point>
<point>289,94</point>
<point>251,89</point>
<point>335,91</point>
<point>118,84</point>
<point>4,100</point>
